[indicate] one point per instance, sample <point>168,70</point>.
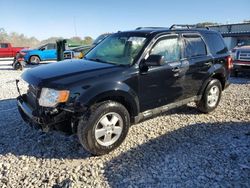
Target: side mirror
<point>42,49</point>
<point>154,60</point>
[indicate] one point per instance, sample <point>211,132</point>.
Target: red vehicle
<point>241,57</point>
<point>6,50</point>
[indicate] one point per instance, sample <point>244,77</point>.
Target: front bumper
<point>34,117</point>
<point>41,118</point>
<point>27,113</point>
<point>241,66</point>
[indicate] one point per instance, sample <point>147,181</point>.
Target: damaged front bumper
<point>40,118</point>
<point>44,118</point>
<point>64,117</point>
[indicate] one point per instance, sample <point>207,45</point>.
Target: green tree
<point>50,40</point>
<point>3,35</point>
<point>87,40</point>
<point>17,39</point>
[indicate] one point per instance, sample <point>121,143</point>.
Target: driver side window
<point>3,45</point>
<point>169,48</point>
<point>44,47</point>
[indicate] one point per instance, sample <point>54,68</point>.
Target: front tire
<point>211,96</point>
<point>34,60</point>
<point>104,127</point>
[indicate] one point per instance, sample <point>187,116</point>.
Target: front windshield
<point>117,49</point>
<point>99,39</point>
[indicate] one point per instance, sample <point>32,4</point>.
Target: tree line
<point>17,39</point>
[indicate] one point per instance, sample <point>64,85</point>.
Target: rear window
<point>216,43</point>
<point>194,46</point>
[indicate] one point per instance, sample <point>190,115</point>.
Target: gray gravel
<point>181,148</point>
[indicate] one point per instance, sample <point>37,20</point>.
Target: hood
<point>27,50</point>
<point>65,73</point>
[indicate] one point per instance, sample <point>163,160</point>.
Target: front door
<point>49,52</point>
<point>162,85</point>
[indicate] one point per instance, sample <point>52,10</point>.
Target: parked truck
<point>241,57</point>
<point>7,50</point>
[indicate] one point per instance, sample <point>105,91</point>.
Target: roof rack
<point>181,26</point>
<point>186,26</point>
<point>141,28</point>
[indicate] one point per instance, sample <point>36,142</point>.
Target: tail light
<point>229,62</point>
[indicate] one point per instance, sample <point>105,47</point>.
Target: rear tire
<point>211,96</point>
<point>104,127</point>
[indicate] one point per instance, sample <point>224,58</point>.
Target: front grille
<point>32,96</point>
<point>244,55</point>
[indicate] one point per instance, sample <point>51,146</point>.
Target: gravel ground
<point>181,148</point>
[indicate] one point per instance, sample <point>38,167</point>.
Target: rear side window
<point>194,46</point>
<point>216,43</point>
<point>51,46</point>
<point>3,45</point>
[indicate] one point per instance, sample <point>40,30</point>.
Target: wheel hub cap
<point>213,96</point>
<point>108,129</point>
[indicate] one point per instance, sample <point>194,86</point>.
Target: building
<point>234,34</point>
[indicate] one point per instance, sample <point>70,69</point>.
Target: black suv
<point>126,78</point>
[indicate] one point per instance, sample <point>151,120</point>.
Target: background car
<point>7,50</point>
<point>42,53</point>
<point>79,52</point>
<point>241,59</point>
<point>76,53</point>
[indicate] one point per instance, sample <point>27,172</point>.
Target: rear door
<point>199,60</point>
<point>217,48</point>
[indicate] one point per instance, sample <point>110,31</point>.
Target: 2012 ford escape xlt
<point>126,78</point>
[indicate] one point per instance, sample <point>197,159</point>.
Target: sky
<point>60,18</point>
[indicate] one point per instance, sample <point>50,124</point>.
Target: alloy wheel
<point>213,96</point>
<point>108,129</point>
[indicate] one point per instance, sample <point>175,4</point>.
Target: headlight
<point>51,97</point>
